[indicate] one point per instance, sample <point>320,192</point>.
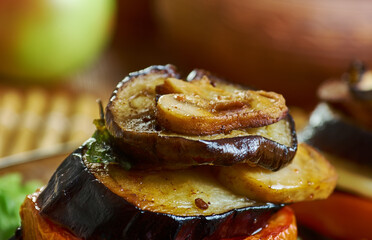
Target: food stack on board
<point>199,158</point>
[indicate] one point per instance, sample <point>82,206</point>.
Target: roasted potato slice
<point>309,176</point>
<point>131,119</point>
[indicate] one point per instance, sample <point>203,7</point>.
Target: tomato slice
<point>341,216</point>
<point>35,226</point>
<point>281,226</point>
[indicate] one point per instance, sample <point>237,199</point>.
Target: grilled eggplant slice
<point>281,225</point>
<point>104,201</point>
<point>131,119</point>
<point>308,177</point>
<point>331,132</point>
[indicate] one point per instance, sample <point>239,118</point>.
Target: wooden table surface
<point>40,170</point>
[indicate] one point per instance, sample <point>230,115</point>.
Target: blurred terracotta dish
<point>290,45</point>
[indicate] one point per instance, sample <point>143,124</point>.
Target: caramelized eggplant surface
<point>131,117</point>
<point>104,201</point>
<point>308,177</point>
<point>331,132</point>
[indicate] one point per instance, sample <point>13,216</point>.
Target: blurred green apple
<point>41,40</point>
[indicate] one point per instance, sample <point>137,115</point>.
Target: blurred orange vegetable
<point>341,216</point>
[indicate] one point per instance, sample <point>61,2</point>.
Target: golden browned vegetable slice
<point>131,119</point>
<point>199,108</point>
<point>309,176</point>
<point>184,192</point>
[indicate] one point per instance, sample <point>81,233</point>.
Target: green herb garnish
<point>100,147</point>
<point>12,194</point>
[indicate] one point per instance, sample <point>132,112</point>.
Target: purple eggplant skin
<point>333,133</point>
<point>75,199</point>
<point>156,151</point>
<point>153,149</point>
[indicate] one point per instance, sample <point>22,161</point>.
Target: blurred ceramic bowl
<point>286,46</point>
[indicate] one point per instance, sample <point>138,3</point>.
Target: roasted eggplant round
<point>131,119</point>
<point>280,226</point>
<point>104,201</point>
<point>331,132</point>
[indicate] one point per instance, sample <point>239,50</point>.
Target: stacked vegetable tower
<point>182,159</point>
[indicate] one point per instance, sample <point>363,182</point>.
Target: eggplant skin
<point>75,199</point>
<point>154,148</point>
<point>177,152</point>
<point>330,132</point>
<point>166,71</point>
